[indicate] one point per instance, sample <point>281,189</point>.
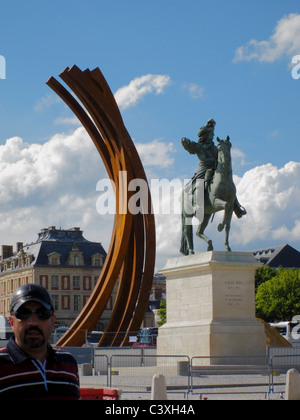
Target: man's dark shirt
<point>23,378</point>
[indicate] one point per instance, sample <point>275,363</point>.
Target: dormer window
<point>29,258</point>
<point>54,258</point>
<point>75,260</point>
<point>97,260</point>
<point>75,257</point>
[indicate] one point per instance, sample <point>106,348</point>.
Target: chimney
<point>19,246</point>
<point>7,251</point>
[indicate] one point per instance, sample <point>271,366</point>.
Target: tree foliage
<point>278,299</point>
<point>162,313</point>
<point>263,274</point>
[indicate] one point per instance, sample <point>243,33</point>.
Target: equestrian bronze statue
<point>210,190</point>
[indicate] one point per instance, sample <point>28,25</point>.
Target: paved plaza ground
<point>222,392</point>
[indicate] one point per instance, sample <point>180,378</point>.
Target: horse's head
<point>224,147</point>
<point>225,142</point>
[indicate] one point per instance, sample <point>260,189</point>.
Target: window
<point>54,258</point>
<point>76,260</point>
<point>44,281</point>
<point>87,283</point>
<point>55,302</point>
<point>97,260</point>
<point>76,303</point>
<point>75,257</point>
<point>65,302</point>
<point>65,283</point>
<point>54,282</point>
<point>76,282</point>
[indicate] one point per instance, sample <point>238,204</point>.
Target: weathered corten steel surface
<point>131,255</point>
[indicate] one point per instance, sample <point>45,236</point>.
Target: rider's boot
<point>208,178</point>
<point>239,210</point>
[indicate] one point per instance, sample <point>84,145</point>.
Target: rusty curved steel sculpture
<point>131,256</point>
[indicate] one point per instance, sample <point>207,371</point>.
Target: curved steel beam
<point>131,256</point>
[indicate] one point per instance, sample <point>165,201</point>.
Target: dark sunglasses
<point>42,313</point>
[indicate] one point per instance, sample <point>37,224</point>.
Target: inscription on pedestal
<point>233,297</point>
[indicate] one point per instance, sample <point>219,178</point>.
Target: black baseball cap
<point>29,293</point>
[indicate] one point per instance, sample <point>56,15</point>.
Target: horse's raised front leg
<point>200,234</point>
<point>221,205</point>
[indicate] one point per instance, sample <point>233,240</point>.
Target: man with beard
<point>29,367</point>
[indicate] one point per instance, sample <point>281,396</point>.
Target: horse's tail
<point>184,243</point>
<point>187,244</point>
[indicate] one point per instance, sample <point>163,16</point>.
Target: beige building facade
<point>62,261</point>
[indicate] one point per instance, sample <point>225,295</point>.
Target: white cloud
<point>284,41</point>
<point>67,121</point>
<point>292,234</point>
<point>271,196</point>
<point>238,156</point>
<point>156,153</point>
<point>133,93</point>
<point>195,91</point>
<point>30,171</point>
<point>43,183</point>
<point>46,101</point>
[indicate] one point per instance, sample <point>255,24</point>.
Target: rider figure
<point>207,154</point>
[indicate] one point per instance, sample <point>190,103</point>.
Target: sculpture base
<point>211,308</point>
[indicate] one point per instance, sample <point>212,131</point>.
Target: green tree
<point>278,299</point>
<point>263,274</point>
<point>162,313</point>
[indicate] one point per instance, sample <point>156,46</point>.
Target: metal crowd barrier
<point>132,370</point>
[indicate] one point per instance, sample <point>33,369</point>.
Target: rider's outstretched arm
<point>190,146</point>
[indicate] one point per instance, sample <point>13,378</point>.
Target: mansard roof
<point>275,256</point>
<point>62,241</point>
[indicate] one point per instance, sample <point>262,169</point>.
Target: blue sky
<point>179,63</point>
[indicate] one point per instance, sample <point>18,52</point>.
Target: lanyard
<point>42,369</point>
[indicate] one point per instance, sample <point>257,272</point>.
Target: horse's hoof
<point>228,249</point>
<point>220,227</point>
<point>210,246</point>
<point>191,252</point>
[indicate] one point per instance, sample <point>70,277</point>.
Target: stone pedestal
<point>211,307</point>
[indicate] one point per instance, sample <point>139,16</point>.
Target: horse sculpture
<point>219,195</point>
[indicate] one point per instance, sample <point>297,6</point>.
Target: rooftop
<point>59,241</point>
<point>62,235</point>
<point>276,256</point>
